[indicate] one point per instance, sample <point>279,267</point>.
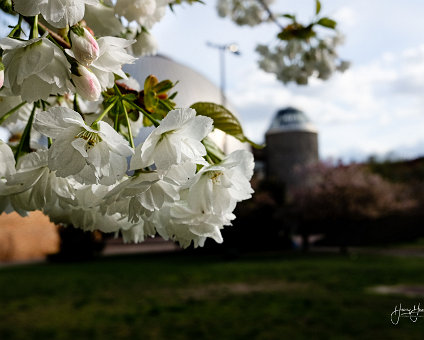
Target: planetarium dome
<point>290,119</point>
<point>291,142</point>
<point>192,87</point>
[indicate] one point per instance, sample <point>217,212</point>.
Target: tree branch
<point>55,36</point>
<point>271,15</point>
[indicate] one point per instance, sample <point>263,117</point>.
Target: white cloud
<point>346,16</point>
<point>374,108</point>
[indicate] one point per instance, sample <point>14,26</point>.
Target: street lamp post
<point>222,48</point>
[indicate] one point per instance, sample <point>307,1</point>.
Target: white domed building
<point>192,87</point>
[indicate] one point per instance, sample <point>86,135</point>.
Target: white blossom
<point>140,195</point>
<point>7,160</point>
<point>216,189</point>
<point>144,12</point>
<point>187,222</point>
<point>58,13</point>
<point>296,60</point>
<point>145,45</point>
<point>84,213</point>
<point>102,20</point>
<point>7,168</point>
<point>243,12</point>
<point>207,201</point>
<point>34,69</point>
<point>34,186</point>
<point>175,140</point>
<point>19,117</point>
<point>112,56</point>
<point>135,234</point>
<point>79,150</point>
<point>179,223</point>
<point>73,165</point>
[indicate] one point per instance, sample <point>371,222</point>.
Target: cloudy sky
<point>376,107</point>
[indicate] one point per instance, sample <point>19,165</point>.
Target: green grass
<point>181,296</point>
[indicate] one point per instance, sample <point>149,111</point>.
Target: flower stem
<point>25,139</point>
<point>75,104</point>
<point>56,38</point>
<point>144,112</point>
<point>169,107</point>
<point>16,32</point>
<point>129,125</point>
<point>34,31</point>
<point>116,123</point>
<point>9,113</point>
<point>99,118</point>
<point>116,88</point>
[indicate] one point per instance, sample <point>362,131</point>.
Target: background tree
<point>347,195</point>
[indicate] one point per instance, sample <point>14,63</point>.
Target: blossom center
<point>214,176</point>
<point>92,138</point>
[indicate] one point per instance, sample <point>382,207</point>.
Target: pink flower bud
<point>1,74</point>
<point>86,83</point>
<point>84,46</point>
<point>1,78</point>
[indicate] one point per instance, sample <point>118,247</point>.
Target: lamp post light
<point>222,48</point>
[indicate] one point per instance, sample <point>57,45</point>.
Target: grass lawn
<point>183,296</point>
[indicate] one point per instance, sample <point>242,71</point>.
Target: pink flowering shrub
<point>348,192</point>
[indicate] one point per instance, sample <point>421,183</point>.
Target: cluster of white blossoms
<point>82,178</point>
<point>297,60</point>
<point>71,113</point>
<point>299,52</point>
<point>244,12</point>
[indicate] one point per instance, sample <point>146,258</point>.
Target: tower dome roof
<point>290,119</point>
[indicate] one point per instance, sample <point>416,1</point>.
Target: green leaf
<point>285,35</point>
<point>327,22</point>
<point>24,143</point>
<point>7,6</point>
<point>214,152</point>
<point>173,95</point>
<point>132,97</point>
<point>303,33</point>
<point>317,7</point>
<point>78,30</point>
<point>146,122</point>
<point>223,120</point>
<point>163,86</point>
<point>150,100</point>
<point>289,16</point>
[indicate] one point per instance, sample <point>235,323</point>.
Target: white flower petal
<point>7,160</point>
<point>60,154</point>
<point>53,122</point>
<point>28,8</point>
<point>114,140</point>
